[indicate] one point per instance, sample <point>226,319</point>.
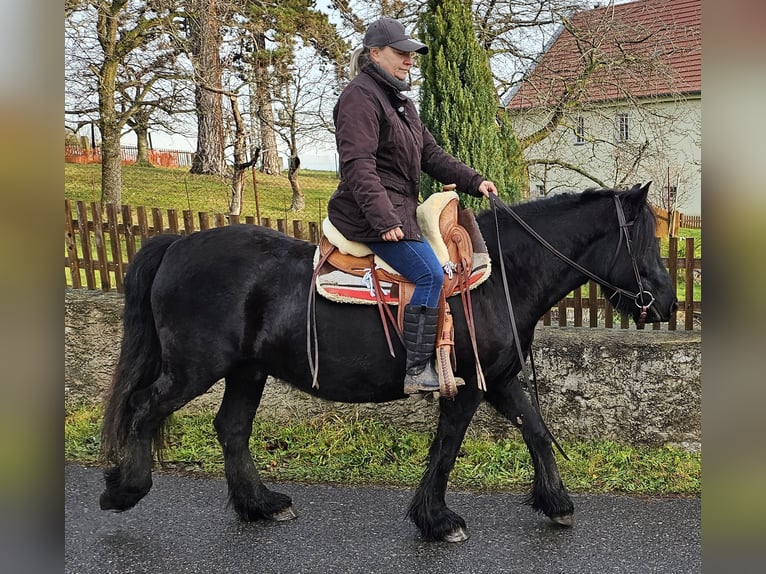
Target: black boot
<point>420,324</point>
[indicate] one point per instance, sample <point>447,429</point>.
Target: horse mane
<point>642,230</point>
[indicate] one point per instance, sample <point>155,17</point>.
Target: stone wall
<point>636,387</point>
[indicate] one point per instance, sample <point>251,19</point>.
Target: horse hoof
<point>563,520</point>
<point>284,515</point>
<point>460,534</point>
<point>105,502</point>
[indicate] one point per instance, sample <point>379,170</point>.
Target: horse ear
<point>638,193</point>
<point>634,199</point>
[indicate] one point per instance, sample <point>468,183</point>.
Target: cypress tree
<point>458,103</point>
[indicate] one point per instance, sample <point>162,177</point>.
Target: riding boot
<point>420,325</point>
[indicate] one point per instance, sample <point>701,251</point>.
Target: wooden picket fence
<point>98,249</point>
<point>690,221</point>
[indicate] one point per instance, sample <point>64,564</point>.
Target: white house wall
<point>668,133</point>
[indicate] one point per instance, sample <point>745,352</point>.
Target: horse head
<point>644,289</point>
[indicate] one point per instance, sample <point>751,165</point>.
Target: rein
<point>637,297</point>
<point>494,200</point>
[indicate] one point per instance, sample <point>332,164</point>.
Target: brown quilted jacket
<point>383,147</point>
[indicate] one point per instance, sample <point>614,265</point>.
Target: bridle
<point>642,298</point>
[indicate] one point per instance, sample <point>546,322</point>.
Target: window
<point>623,130</point>
<point>672,196</point>
<point>541,190</point>
<point>580,131</point>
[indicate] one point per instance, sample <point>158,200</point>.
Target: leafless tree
<point>101,34</point>
<point>304,94</point>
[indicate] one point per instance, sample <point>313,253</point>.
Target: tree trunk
<point>205,41</point>
<point>240,158</point>
<point>111,163</point>
<point>299,200</point>
<point>269,154</point>
<point>142,146</point>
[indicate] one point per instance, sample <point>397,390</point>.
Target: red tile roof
<point>643,48</point>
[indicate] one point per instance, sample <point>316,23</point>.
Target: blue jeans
<point>416,261</point>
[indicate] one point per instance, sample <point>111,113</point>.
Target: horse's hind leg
<point>131,479</point>
<point>234,424</point>
<point>428,509</point>
<point>548,494</point>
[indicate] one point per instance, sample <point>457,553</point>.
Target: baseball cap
<point>390,32</point>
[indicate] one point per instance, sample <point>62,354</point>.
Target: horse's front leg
<point>234,424</point>
<point>548,494</point>
<point>428,509</point>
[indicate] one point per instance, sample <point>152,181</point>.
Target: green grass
<point>176,188</point>
<point>368,452</point>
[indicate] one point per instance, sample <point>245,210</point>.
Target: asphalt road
<point>183,526</point>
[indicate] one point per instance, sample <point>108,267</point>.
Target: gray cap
<point>389,32</point>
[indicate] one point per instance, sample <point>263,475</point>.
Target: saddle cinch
<point>348,271</point>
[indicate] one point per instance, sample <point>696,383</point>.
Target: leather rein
<point>637,297</point>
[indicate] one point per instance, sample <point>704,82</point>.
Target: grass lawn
<point>176,188</point>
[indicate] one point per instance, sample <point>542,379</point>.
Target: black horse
<point>231,303</point>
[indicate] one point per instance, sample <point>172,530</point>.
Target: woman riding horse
<point>383,146</point>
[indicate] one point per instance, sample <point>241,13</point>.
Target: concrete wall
<point>636,387</point>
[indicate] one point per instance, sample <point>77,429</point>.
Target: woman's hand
<point>486,187</point>
<point>394,234</point>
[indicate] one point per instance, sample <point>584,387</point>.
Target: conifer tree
<point>458,102</point>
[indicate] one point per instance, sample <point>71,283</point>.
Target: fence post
<point>114,239</point>
<point>298,229</point>
<point>173,221</point>
<point>578,307</point>
<point>159,227</point>
<point>593,302</point>
<point>673,272</point>
<point>188,222</point>
<point>689,295</point>
<point>98,234</point>
<point>82,225</point>
<point>143,224</point>
<point>314,232</point>
<point>71,244</point>
<point>127,230</point>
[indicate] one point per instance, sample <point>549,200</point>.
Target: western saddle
<point>452,233</point>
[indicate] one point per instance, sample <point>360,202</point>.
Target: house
<point>615,100</point>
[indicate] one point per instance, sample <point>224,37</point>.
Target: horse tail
<point>140,354</point>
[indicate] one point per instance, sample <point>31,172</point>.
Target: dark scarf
<point>394,82</point>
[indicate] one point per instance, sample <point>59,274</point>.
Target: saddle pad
<point>341,287</point>
<point>428,219</point>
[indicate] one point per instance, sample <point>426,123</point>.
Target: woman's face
<point>393,61</point>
